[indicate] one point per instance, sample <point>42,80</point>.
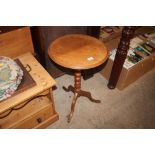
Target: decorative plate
<point>10,77</point>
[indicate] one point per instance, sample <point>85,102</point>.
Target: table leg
<point>88,95</point>
<point>72,107</point>
<point>77,93</point>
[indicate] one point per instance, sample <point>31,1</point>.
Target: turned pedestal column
<point>78,92</point>
<point>121,54</point>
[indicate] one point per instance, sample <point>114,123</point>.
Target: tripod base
<point>76,95</point>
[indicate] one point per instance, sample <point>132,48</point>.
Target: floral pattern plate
<point>10,77</point>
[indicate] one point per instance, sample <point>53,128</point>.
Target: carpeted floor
<point>134,107</point>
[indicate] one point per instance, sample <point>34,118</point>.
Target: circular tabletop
<point>77,51</point>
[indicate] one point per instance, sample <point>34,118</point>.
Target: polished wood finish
<point>78,52</point>
<point>15,43</point>
<point>127,34</point>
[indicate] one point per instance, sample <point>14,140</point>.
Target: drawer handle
<point>39,120</point>
<point>28,68</point>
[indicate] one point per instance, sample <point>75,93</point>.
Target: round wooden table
<point>78,52</point>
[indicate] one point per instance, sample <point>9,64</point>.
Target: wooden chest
<point>33,107</point>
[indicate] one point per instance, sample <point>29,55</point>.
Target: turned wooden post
<point>122,50</point>
<point>77,77</point>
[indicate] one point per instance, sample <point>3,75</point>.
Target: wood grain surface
<point>77,51</point>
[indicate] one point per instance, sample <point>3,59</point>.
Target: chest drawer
<point>38,113</point>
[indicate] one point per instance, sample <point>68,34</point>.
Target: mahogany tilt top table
<point>78,52</point>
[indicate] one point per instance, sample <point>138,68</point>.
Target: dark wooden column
<point>127,34</point>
